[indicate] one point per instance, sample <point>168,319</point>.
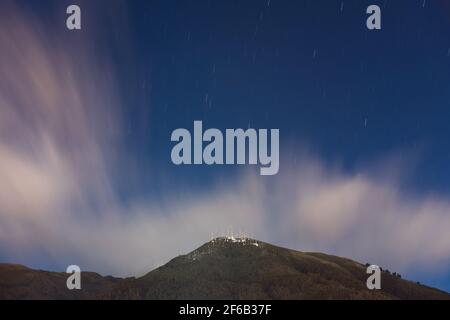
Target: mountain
<point>19,282</point>
<point>228,268</point>
<point>224,268</point>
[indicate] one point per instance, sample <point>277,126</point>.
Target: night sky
<point>310,68</point>
<point>357,109</point>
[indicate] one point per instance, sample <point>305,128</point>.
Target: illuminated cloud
<point>58,130</point>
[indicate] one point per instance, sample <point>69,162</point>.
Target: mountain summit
<point>224,268</point>
<point>243,268</point>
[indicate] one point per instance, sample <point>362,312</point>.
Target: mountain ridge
<point>223,268</point>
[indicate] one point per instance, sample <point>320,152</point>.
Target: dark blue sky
<point>306,67</point>
<point>310,68</point>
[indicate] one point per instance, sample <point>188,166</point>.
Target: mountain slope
<point>19,282</point>
<point>234,269</point>
<point>224,268</point>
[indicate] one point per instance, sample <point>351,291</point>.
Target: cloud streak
<point>59,127</point>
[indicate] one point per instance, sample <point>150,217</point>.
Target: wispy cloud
<point>58,127</point>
